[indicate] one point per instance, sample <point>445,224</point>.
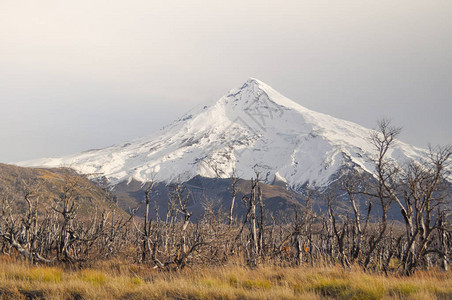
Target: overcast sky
<point>76,75</point>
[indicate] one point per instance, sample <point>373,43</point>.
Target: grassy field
<point>116,280</point>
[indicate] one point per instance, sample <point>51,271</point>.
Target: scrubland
<point>121,280</point>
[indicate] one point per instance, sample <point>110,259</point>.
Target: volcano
<point>251,129</point>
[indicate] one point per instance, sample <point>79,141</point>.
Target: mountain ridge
<point>47,187</point>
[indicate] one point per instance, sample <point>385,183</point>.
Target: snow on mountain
<point>252,128</point>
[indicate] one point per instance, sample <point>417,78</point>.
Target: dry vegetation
<point>119,280</point>
<point>347,252</point>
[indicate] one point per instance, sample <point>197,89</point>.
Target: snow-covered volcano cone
<point>252,128</point>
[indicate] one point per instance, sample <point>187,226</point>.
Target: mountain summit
<point>251,128</point>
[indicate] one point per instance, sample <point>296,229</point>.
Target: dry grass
<point>117,280</point>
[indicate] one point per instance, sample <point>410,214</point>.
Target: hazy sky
<point>76,75</point>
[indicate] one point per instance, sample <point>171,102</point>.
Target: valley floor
<point>119,280</point>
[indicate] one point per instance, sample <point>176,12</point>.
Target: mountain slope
<point>252,128</point>
<point>215,193</point>
<point>47,187</point>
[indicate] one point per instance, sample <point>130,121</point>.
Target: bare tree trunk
<point>254,245</point>
<point>261,215</point>
<point>147,225</point>
<point>234,193</point>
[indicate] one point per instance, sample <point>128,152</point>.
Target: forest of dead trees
<point>353,230</point>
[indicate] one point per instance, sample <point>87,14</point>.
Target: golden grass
<point>117,280</point>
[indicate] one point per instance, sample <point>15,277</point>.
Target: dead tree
<point>253,231</point>
<point>182,202</point>
<point>260,200</point>
<point>234,193</point>
<point>339,233</point>
<point>147,224</point>
<point>21,231</point>
<point>386,173</point>
<point>416,191</point>
<point>442,225</point>
<point>309,220</point>
<point>421,200</point>
<point>351,183</point>
<point>66,207</point>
